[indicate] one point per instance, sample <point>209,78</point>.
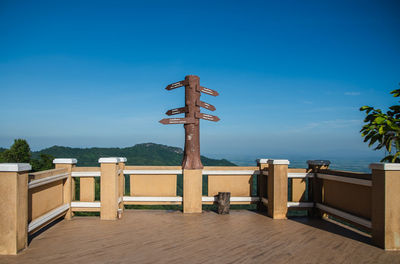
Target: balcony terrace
<point>351,216</point>
<point>152,236</point>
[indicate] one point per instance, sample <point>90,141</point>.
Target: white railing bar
<point>300,175</point>
<point>86,174</point>
<point>156,172</point>
<point>350,217</point>
<point>233,199</point>
<point>300,204</point>
<point>47,217</point>
<point>230,172</point>
<point>40,182</point>
<point>345,179</point>
<point>152,199</point>
<point>85,204</point>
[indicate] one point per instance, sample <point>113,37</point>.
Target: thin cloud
<point>352,93</point>
<point>330,124</point>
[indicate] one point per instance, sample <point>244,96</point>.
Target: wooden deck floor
<point>171,237</point>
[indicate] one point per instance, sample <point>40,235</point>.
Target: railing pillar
<point>192,191</point>
<point>13,207</point>
<point>109,188</point>
<point>277,188</point>
<point>69,183</point>
<point>262,183</point>
<point>121,182</point>
<point>316,185</point>
<point>385,213</point>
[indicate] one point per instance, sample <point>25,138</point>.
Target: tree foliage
<point>383,129</point>
<point>45,162</point>
<point>20,152</point>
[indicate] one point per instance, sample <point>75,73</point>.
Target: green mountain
<point>140,154</point>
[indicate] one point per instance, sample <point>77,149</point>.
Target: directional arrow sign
<point>207,117</point>
<point>177,111</point>
<point>176,85</point>
<point>208,91</point>
<point>167,121</point>
<point>205,105</point>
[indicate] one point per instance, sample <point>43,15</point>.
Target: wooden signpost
<point>193,90</point>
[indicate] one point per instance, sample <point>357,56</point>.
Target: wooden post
<point>13,207</point>
<point>69,183</point>
<point>109,188</point>
<point>191,156</point>
<point>121,182</point>
<point>277,188</point>
<point>385,213</point>
<point>192,191</point>
<point>262,183</point>
<point>316,186</point>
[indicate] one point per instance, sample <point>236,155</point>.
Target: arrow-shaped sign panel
<point>205,105</point>
<point>207,117</point>
<point>208,91</point>
<point>177,111</point>
<point>167,121</point>
<point>176,85</point>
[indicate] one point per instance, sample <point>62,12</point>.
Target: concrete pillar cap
<point>15,167</point>
<point>262,161</point>
<point>109,160</point>
<point>278,162</point>
<point>385,166</point>
<point>65,161</point>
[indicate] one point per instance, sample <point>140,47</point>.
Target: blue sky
<point>291,74</point>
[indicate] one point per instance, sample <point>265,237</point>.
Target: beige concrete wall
<point>87,184</point>
<point>13,212</point>
<point>121,184</point>
<point>386,209</point>
<point>299,186</point>
<point>192,191</point>
<point>109,191</point>
<point>152,203</point>
<point>277,191</point>
<point>230,168</point>
<point>85,169</point>
<point>237,185</point>
<point>352,198</point>
<point>44,198</point>
<point>46,173</point>
<point>153,185</point>
<point>87,189</point>
<point>153,167</point>
<point>68,188</point>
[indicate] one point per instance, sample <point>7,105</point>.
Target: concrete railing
<point>152,185</point>
<point>29,201</point>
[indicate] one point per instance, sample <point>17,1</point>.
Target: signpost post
<point>191,164</point>
<point>193,90</point>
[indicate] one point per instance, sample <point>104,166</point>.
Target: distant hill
<point>2,150</point>
<point>140,154</point>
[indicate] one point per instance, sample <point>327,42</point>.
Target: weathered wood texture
<point>162,237</point>
<point>224,202</point>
